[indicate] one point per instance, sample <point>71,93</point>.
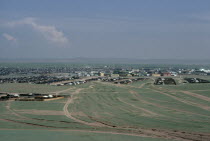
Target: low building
<point>101,74</point>
<point>156,75</point>
<point>166,74</point>
<point>115,75</point>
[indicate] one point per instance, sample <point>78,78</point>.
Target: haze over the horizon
<point>142,29</point>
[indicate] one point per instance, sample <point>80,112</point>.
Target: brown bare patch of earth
<point>40,112</point>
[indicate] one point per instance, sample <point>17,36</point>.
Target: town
<point>50,75</point>
<point>70,76</point>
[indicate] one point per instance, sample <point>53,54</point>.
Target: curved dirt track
<point>66,90</point>
<point>69,115</point>
<point>13,112</point>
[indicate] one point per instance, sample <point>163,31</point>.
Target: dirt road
<point>69,114</point>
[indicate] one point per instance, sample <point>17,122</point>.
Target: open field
<point>106,111</point>
<point>29,88</point>
<point>64,135</point>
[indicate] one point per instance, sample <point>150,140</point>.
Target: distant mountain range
<point>111,61</point>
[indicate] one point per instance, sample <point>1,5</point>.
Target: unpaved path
<point>142,85</point>
<point>140,108</point>
<point>153,133</point>
<point>39,112</point>
<point>185,101</point>
<point>135,94</point>
<point>69,115</point>
<point>30,124</point>
<point>197,95</point>
<point>139,134</point>
<point>8,106</point>
<point>111,84</point>
<point>62,91</point>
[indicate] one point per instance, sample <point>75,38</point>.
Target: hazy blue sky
<point>144,29</point>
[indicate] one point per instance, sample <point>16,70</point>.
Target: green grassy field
<point>106,111</point>
<point>29,88</point>
<point>43,135</point>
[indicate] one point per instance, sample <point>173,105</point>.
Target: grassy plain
<point>29,88</point>
<point>106,111</point>
<point>43,135</point>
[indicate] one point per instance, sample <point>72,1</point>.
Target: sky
<point>139,29</point>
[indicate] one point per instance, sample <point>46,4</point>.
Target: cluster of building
<point>122,80</point>
<point>196,80</point>
<point>34,79</point>
<point>77,82</point>
<point>109,71</point>
<point>194,71</point>
<point>73,75</point>
<point>28,97</point>
<point>165,81</point>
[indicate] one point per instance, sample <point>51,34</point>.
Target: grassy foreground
<point>105,111</point>
<point>42,135</point>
